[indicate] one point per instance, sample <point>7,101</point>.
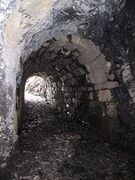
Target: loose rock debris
<point>52,147</point>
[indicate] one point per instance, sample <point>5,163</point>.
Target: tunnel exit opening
<point>38,88</point>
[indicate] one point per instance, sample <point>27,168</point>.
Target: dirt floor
<point>53,147</point>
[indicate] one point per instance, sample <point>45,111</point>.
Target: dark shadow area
<point>54,147</point>
<point>61,141</point>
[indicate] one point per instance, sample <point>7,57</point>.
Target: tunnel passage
<point>91,67</point>
<point>55,144</point>
<point>66,76</point>
<point>81,79</point>
<point>64,147</point>
<point>106,52</point>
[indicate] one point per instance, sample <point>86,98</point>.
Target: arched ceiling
<point>98,31</point>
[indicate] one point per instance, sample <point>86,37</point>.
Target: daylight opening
<point>38,88</point>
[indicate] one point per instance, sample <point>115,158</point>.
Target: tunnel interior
<point>66,76</point>
<point>57,132</point>
<point>67,90</point>
<point>70,116</point>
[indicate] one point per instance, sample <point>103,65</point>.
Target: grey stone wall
<point>115,37</point>
<point>109,24</point>
<point>6,8</point>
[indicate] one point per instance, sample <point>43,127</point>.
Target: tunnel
<point>60,65</point>
<point>67,90</point>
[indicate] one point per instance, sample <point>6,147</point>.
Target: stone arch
<point>77,25</point>
<point>91,65</point>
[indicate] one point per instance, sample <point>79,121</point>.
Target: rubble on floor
<point>53,147</point>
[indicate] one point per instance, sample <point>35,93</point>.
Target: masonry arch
<point>73,41</point>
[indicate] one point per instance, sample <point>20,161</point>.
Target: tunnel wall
<point>63,68</point>
<point>111,71</point>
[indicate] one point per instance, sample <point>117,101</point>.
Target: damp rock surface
<point>107,29</point>
<point>54,147</point>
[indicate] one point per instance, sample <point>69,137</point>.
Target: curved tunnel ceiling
<point>94,29</point>
<point>60,62</point>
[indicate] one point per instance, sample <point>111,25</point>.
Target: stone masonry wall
<point>104,30</point>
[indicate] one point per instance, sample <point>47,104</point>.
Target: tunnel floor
<point>52,147</point>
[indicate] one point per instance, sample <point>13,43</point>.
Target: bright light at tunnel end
<point>38,89</point>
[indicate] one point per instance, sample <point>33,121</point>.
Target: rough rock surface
<point>53,147</point>
<point>25,26</point>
